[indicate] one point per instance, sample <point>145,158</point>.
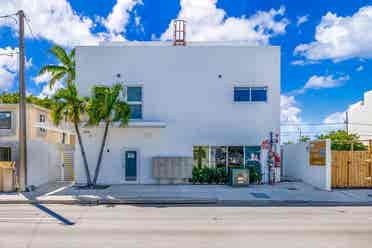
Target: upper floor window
<point>250,94</point>
<point>42,119</point>
<point>134,100</point>
<point>5,154</point>
<point>5,120</point>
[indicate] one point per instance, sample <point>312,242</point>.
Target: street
<point>183,226</point>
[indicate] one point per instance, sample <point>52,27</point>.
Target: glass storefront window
<point>236,156</point>
<point>201,155</point>
<point>219,156</point>
<point>216,156</point>
<point>252,155</point>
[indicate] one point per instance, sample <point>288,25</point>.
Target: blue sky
<point>326,45</point>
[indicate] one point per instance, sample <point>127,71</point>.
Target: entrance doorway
<point>131,166</point>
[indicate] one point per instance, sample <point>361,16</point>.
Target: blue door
<point>130,166</point>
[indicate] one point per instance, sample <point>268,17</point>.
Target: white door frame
<point>137,181</point>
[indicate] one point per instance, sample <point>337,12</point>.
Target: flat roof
<point>188,44</point>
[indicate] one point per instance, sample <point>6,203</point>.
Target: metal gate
<point>352,168</point>
<point>67,157</point>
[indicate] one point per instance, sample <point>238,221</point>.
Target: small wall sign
<point>318,153</point>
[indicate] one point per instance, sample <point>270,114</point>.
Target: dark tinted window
<point>241,94</point>
<point>5,154</point>
<point>134,94</point>
<point>135,111</point>
<point>258,94</point>
<point>5,120</point>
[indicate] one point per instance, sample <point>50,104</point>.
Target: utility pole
<point>22,169</point>
<point>347,122</point>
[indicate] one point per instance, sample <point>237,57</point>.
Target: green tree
<point>341,140</point>
<point>13,98</point>
<point>106,106</point>
<point>304,138</point>
<point>68,104</point>
<point>64,70</point>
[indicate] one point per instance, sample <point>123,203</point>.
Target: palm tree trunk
<point>98,167</point>
<point>83,154</point>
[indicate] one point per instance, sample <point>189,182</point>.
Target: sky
<point>326,46</point>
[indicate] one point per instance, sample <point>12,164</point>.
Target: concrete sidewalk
<point>286,193</point>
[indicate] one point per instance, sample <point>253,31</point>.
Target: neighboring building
<point>360,117</point>
<point>223,96</point>
<point>45,144</point>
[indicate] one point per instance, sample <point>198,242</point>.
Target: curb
<point>192,202</point>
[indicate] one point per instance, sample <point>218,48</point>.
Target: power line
<point>9,54</point>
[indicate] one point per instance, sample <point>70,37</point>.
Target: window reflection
<point>236,156</point>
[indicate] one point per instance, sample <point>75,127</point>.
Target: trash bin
<point>7,170</point>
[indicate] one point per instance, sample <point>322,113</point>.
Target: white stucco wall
<point>360,117</point>
<point>43,163</point>
<point>182,88</point>
<point>296,164</point>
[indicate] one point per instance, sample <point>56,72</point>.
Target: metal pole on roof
<point>22,102</point>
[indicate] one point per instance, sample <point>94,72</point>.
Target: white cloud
<point>319,82</point>
<point>337,117</point>
<point>43,78</point>
<point>8,67</point>
<point>57,22</point>
<point>53,20</point>
<point>301,62</point>
<point>339,38</point>
<point>118,18</point>
<point>302,19</point>
<point>206,22</point>
<point>48,92</point>
<point>290,112</point>
<point>360,68</point>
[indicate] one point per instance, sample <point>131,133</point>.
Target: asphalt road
<point>137,226</point>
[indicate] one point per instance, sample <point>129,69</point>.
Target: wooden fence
<point>351,169</point>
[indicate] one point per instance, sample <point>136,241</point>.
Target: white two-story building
<point>224,96</point>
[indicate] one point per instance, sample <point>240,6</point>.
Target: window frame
<point>42,130</point>
<point>134,102</point>
<point>9,149</point>
<point>11,120</point>
<point>250,86</point>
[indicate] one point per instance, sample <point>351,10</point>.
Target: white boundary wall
<point>43,162</point>
<point>296,164</point>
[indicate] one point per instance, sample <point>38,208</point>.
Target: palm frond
<point>61,55</point>
<point>56,77</point>
<point>52,69</point>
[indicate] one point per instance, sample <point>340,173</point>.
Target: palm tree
<point>67,104</point>
<point>64,70</point>
<point>105,105</point>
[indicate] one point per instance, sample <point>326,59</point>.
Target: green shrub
<point>209,175</point>
<point>255,174</point>
<point>221,175</point>
<point>196,174</point>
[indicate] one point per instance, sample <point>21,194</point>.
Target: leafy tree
<point>304,138</point>
<point>68,104</point>
<point>65,69</point>
<point>105,105</point>
<point>13,98</point>
<point>341,140</point>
